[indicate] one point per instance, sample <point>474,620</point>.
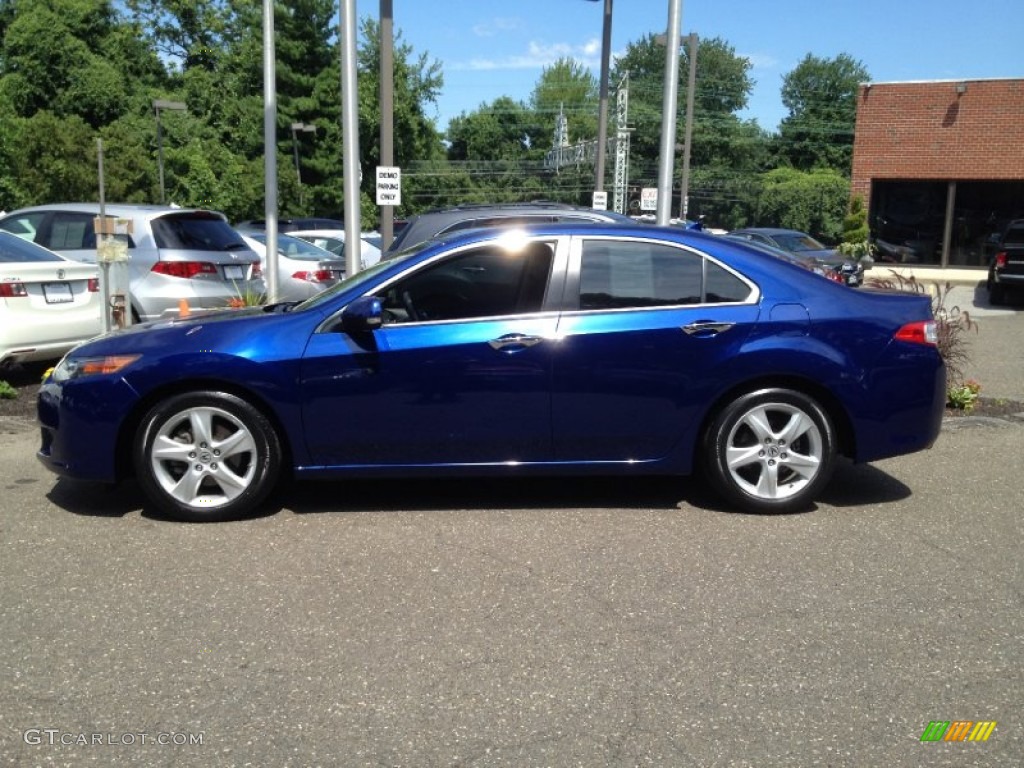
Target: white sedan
<point>333,240</point>
<point>48,304</point>
<point>303,269</point>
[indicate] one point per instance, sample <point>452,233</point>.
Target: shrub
<point>965,396</point>
<point>7,392</point>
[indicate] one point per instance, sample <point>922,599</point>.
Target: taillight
<point>12,290</point>
<point>922,332</point>
<point>317,276</point>
<point>184,269</point>
<point>257,272</point>
<point>1001,259</point>
<point>94,285</point>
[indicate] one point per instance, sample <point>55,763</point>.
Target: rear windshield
<point>1014,236</point>
<point>14,249</point>
<point>196,232</point>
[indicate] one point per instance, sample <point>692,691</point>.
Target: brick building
<point>940,165</point>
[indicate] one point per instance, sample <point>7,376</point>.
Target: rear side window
<point>195,233</point>
<point>1014,236</point>
<point>24,226</point>
<point>623,275</point>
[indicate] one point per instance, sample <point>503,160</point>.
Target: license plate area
<point>234,272</point>
<point>57,293</point>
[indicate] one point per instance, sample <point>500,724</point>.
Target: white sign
<point>389,185</point>
<point>649,199</point>
<point>600,201</point>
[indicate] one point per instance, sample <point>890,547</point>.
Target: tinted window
<point>16,249</point>
<point>72,231</point>
<point>196,232</point>
<point>295,247</point>
<point>24,226</point>
<point>616,275</point>
<point>620,275</point>
<point>483,282</point>
<point>1014,236</point>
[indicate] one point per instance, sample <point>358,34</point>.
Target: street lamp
<point>158,104</point>
<point>306,128</point>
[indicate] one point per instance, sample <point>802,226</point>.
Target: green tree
<point>810,201</point>
<point>821,96</point>
<point>568,87</point>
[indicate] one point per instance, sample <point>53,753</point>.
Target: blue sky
<point>492,48</point>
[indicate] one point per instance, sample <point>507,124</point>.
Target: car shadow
<point>851,486</point>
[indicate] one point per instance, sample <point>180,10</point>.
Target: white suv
<point>173,253</point>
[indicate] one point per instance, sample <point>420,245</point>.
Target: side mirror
<point>364,314</point>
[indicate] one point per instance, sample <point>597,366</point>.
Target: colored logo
<point>958,730</point>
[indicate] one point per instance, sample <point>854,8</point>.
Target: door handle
<point>707,328</point>
<point>514,340</point>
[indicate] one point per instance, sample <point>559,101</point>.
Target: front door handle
<point>512,340</point>
<point>707,328</point>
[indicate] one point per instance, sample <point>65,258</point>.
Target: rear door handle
<point>707,328</point>
<point>514,340</point>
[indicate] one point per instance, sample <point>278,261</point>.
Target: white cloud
<point>760,61</point>
<point>537,56</point>
<point>497,26</point>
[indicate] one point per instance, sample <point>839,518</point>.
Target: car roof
<point>120,210</point>
<point>435,221</point>
<point>768,231</point>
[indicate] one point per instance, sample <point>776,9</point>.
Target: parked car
<point>449,220</point>
<point>48,304</point>
<point>173,253</point>
<point>802,245</point>
<point>1006,268</point>
<point>562,348</point>
<point>807,262</point>
<point>303,269</point>
<point>289,225</point>
<point>333,240</point>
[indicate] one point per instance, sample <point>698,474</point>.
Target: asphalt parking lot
<point>529,623</point>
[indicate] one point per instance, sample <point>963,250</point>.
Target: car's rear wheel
<point>770,451</point>
<point>996,294</point>
<point>206,456</point>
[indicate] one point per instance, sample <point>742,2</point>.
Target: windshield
<point>294,247</point>
<point>14,249</point>
<point>359,278</point>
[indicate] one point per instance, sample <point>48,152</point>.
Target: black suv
<point>1006,269</point>
<point>433,223</point>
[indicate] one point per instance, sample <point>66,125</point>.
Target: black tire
<point>996,294</point>
<point>206,457</point>
<point>770,451</point>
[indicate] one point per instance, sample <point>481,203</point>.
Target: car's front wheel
<point>770,451</point>
<point>206,456</point>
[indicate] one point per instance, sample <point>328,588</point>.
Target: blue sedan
<point>560,348</point>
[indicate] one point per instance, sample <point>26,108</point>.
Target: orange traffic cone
<point>183,310</point>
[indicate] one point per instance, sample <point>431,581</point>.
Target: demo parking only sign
<point>389,185</point>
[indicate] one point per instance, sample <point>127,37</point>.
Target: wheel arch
<point>846,442</point>
<point>130,426</point>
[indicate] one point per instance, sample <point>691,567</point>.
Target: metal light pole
<point>387,113</point>
<point>350,130</point>
<point>692,80</point>
<point>158,104</point>
<point>270,149</point>
<point>602,113</point>
<point>305,128</point>
<point>668,124</point>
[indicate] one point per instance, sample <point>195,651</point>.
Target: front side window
<point>488,281</point>
<point>627,275</point>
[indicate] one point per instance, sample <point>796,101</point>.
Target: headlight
<point>77,367</point>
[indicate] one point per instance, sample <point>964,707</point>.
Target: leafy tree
<point>821,96</point>
<point>811,201</point>
<point>568,86</point>
<point>496,131</point>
